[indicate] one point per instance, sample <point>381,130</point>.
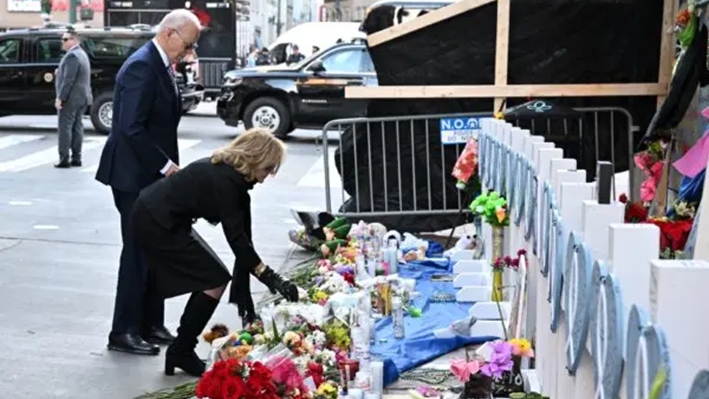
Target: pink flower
<point>463,370</point>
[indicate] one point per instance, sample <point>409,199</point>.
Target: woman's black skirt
<point>180,259</point>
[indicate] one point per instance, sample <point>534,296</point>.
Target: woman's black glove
<point>276,283</point>
<point>248,318</point>
<point>247,312</point>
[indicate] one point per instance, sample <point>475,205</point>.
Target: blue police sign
<point>459,130</point>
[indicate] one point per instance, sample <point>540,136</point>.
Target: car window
<point>9,51</point>
<point>113,47</point>
<point>343,61</point>
<point>367,64</point>
<point>49,50</point>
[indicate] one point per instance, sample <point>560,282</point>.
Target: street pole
<point>72,10</point>
<point>278,20</point>
<point>338,11</point>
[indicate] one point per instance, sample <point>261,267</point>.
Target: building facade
<point>266,23</point>
<point>350,10</point>
<point>27,13</point>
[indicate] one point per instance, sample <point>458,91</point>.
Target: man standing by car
<point>73,89</point>
<point>296,56</point>
<point>141,148</point>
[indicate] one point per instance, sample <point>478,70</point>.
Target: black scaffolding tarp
<point>550,42</point>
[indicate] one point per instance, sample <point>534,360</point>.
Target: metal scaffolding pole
<point>72,10</point>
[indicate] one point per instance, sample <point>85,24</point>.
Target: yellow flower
<point>521,347</point>
<point>499,115</point>
<point>327,389</point>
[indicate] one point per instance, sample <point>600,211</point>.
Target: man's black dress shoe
<point>76,163</point>
<point>158,336</point>
<point>62,165</point>
<point>131,343</point>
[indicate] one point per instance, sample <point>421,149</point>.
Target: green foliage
<point>492,208</point>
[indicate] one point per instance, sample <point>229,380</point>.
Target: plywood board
<point>423,21</point>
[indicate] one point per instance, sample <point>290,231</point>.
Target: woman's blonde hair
<point>254,149</point>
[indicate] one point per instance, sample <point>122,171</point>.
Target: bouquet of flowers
<point>635,212</point>
<point>327,390</point>
<point>492,207</point>
<point>650,162</point>
<point>289,382</point>
<point>234,379</point>
<point>674,229</point>
<point>466,167</point>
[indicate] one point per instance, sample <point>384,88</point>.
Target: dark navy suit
<point>143,138</point>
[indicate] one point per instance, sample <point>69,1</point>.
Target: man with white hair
<point>142,148</point>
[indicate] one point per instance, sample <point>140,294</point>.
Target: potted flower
<point>492,369</point>
<point>490,361</point>
<point>512,381</point>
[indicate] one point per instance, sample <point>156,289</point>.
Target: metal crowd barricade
<point>421,182</point>
<point>403,134</point>
<point>619,125</point>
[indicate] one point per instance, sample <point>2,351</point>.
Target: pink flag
<point>695,160</point>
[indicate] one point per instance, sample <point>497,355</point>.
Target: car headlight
<point>232,81</point>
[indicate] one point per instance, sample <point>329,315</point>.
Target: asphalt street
<point>59,248</point>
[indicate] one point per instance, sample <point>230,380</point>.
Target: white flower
<point>326,356</point>
<point>317,338</point>
<point>301,362</point>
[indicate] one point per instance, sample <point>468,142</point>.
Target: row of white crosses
<point>605,315</point>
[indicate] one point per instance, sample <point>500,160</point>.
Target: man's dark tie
<point>173,78</point>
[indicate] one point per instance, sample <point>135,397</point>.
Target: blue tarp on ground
<point>419,345</point>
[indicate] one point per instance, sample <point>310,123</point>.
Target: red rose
<point>635,213</point>
<point>232,389</point>
<point>623,198</point>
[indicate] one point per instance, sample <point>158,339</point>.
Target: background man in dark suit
<point>142,148</point>
<point>73,87</point>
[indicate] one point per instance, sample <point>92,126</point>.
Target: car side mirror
<point>317,67</point>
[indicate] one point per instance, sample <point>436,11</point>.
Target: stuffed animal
<point>217,331</point>
<point>463,243</point>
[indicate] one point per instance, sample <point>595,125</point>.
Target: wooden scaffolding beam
<point>502,47</point>
<point>504,91</point>
<point>667,45</point>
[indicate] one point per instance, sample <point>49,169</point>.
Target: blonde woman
<point>215,189</point>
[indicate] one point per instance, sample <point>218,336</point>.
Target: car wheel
<point>102,112</point>
<point>268,113</point>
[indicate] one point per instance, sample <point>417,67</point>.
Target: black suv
<point>29,59</point>
<point>307,94</point>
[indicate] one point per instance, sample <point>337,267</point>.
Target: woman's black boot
<point>180,354</point>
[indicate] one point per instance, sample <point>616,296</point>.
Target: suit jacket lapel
<point>165,76</point>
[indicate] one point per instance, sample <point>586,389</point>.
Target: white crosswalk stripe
<point>14,139</point>
<point>42,157</point>
<point>182,144</point>
<point>315,177</point>
<point>35,150</point>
